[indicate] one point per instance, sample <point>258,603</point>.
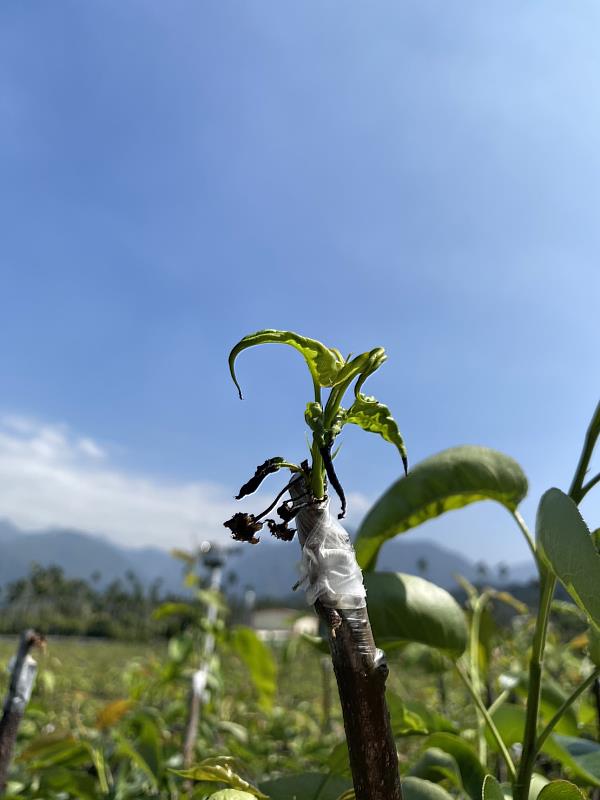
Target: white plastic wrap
<point>329,571</point>
<point>199,681</point>
<point>25,682</point>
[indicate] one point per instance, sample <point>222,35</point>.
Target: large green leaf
<point>536,785</point>
<point>436,765</point>
<point>339,759</point>
<point>375,417</point>
<point>418,789</point>
<point>62,781</point>
<point>231,794</point>
<point>433,721</point>
<point>491,789</point>
<point>259,660</point>
<point>580,758</point>
<point>323,362</point>
<point>407,608</point>
<point>56,750</point>
<point>405,722</point>
<point>552,698</point>
<point>306,786</point>
<point>448,480</point>
<point>584,752</point>
<point>561,790</point>
<point>471,771</point>
<point>413,788</point>
<point>568,549</point>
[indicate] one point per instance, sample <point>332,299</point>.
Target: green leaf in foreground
<point>407,608</point>
<point>436,765</point>
<point>306,786</point>
<point>220,770</point>
<point>491,789</point>
<point>323,362</point>
<point>418,789</point>
<point>471,771</point>
<point>231,794</point>
<point>579,758</point>
<point>259,660</point>
<point>567,548</point>
<point>375,417</point>
<point>412,789</point>
<point>448,480</point>
<point>560,790</point>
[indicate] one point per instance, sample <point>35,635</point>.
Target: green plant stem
<point>317,472</point>
<point>521,785</point>
<point>547,584</point>
<point>577,489</point>
<point>568,702</point>
<point>478,607</point>
<point>488,719</point>
<point>317,390</point>
<point>525,531</point>
<point>499,701</point>
<point>590,485</point>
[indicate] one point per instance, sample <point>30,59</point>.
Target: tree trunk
<point>19,691</point>
<point>360,668</point>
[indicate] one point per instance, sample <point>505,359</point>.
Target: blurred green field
<point>107,719</point>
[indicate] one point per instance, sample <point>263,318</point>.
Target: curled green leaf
<point>364,365</point>
<point>374,361</point>
<point>324,363</point>
<point>371,415</point>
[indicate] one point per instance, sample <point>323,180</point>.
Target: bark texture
<point>361,672</point>
<point>14,706</point>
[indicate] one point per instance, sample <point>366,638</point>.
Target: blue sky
<point>419,175</point>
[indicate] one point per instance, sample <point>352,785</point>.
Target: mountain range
<point>270,568</point>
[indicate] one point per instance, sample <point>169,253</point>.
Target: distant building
<point>278,624</point>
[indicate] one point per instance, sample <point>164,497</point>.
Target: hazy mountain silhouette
<point>270,568</point>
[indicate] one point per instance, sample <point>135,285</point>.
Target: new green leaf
<point>323,362</point>
<point>371,415</point>
<point>448,480</point>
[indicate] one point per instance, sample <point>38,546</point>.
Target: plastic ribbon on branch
<point>24,682</point>
<point>329,571</point>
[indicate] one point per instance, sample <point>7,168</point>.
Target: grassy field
<point>108,718</point>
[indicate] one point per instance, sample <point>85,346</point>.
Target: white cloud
<point>50,477</point>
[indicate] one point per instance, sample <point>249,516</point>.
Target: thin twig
<point>489,721</point>
<point>571,699</point>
